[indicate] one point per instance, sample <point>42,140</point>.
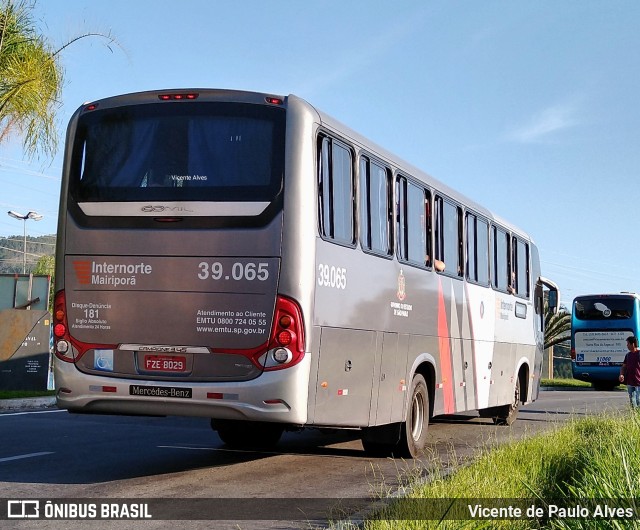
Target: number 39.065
<point>330,276</point>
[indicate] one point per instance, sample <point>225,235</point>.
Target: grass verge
<point>566,473</point>
<point>20,394</point>
<point>565,383</point>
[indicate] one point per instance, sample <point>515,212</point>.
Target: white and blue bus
<point>247,258</point>
<point>600,325</point>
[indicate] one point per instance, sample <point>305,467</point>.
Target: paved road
<point>52,454</point>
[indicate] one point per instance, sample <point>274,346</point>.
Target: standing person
<point>630,371</point>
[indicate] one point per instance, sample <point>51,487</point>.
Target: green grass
<point>589,458</point>
<point>573,383</point>
<point>19,394</point>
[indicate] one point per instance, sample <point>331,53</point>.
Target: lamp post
<point>31,215</point>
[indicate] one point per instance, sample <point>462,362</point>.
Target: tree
<point>31,78</point>
<point>557,326</point>
<point>47,267</point>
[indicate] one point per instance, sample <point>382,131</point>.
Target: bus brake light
<point>169,97</point>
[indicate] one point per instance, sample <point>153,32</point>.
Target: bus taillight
<point>63,348</point>
<point>178,97</point>
<point>286,345</point>
<point>573,354</point>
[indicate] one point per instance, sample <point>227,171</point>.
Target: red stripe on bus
<point>445,353</point>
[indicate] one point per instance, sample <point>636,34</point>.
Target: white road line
<point>30,455</point>
<point>188,447</point>
<point>32,412</point>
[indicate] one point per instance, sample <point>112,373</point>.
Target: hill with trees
<point>11,252</point>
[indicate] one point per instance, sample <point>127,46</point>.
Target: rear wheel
<point>413,437</point>
<point>248,434</point>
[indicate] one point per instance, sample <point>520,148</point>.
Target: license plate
<point>165,363</point>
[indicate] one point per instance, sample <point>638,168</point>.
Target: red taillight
<point>93,106</point>
<point>287,335</point>
<point>286,341</point>
<point>59,331</point>
<point>284,338</point>
<point>63,347</point>
<point>573,354</point>
<point>66,347</point>
<point>274,101</point>
<point>186,95</point>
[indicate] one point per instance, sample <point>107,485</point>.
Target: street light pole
<point>31,215</point>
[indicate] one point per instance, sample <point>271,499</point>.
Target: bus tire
<point>604,386</point>
<point>507,414</point>
<point>248,434</point>
<point>413,438</point>
<point>382,440</point>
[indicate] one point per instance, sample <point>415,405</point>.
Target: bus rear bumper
<point>597,374</point>
<point>277,396</point>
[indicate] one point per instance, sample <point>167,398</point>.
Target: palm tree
<point>557,326</point>
<point>30,81</point>
<point>31,78</point>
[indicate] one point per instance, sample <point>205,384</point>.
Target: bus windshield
<point>178,152</point>
<point>603,308</point>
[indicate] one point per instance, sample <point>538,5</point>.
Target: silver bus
<point>246,258</point>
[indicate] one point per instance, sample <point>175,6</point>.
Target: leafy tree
<point>557,326</point>
<point>31,78</point>
<point>47,266</point>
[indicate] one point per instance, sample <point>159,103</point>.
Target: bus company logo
<point>402,293</point>
<point>115,274</point>
<point>83,271</point>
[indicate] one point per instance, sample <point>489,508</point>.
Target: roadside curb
<point>25,404</point>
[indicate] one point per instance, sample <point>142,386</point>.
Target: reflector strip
<point>97,388</point>
<point>220,395</point>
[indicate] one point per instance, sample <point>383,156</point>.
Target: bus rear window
<point>180,152</point>
<point>603,308</point>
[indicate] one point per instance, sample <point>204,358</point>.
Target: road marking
<point>188,447</point>
<point>31,412</point>
<point>30,455</point>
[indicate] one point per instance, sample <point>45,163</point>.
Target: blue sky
<point>528,107</point>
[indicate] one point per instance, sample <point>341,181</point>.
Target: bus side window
<point>336,191</point>
<point>449,248</point>
<point>414,236</point>
<point>477,264</point>
<point>520,271</point>
<point>501,264</point>
<point>376,211</point>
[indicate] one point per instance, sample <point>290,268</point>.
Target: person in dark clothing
<point>630,371</point>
